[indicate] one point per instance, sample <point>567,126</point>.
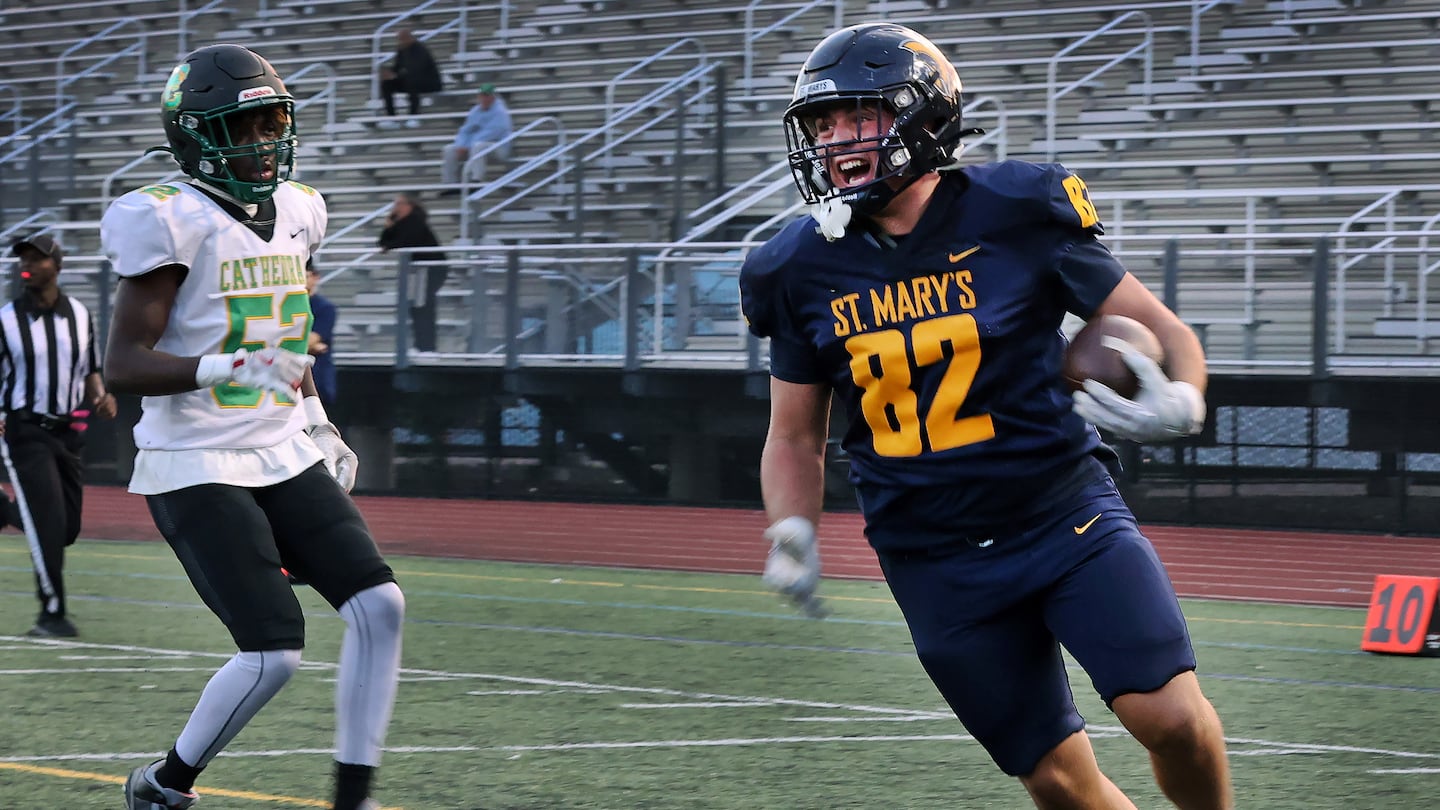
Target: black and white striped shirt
<point>45,356</point>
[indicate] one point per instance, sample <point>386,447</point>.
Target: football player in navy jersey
<point>929,297</point>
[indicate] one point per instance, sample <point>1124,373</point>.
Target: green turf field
<point>550,687</point>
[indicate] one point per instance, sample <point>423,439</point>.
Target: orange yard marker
<point>1403,618</point>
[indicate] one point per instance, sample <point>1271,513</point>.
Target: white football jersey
<point>241,291</point>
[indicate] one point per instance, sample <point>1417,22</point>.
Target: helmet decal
<point>948,75</point>
<point>252,93</point>
<point>173,94</point>
<point>813,88</point>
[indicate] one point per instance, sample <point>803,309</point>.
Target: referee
<point>49,377</point>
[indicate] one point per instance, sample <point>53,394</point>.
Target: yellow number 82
<point>880,366</point>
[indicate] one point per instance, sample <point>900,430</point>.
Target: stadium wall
<point>1333,454</point>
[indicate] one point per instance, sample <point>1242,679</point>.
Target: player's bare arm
<point>142,311</point>
<point>792,465</point>
<point>1184,357</point>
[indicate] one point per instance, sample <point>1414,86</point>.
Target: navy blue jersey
<point>945,347</point>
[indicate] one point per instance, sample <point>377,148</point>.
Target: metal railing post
<point>1320,309</point>
<point>630,321</point>
<point>677,212</point>
<point>512,311</point>
<point>1171,294</point>
<point>402,311</point>
<point>475,340</point>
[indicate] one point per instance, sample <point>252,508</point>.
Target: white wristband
<point>314,411</point>
<point>214,369</point>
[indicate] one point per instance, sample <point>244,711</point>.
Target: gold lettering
<point>837,308</point>
<point>962,284</point>
<point>853,300</point>
<point>883,309</point>
<point>940,284</point>
<point>904,305</point>
<point>923,302</point>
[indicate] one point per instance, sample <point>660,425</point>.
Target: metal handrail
<point>106,196</point>
<point>138,47</point>
<point>330,94</point>
<point>752,35</point>
<point>1052,68</point>
<point>479,158</point>
<point>41,130</point>
<point>16,113</point>
<point>999,135</point>
<point>574,147</point>
<point>1197,10</point>
<point>653,58</point>
<point>747,193</point>
<point>25,225</point>
<point>182,32</point>
<point>1386,201</point>
<point>1422,280</point>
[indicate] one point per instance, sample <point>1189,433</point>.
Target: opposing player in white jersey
<point>243,472</point>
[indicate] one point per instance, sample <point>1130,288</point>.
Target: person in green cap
<point>488,122</point>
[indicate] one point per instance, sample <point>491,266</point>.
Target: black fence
<point>1334,454</point>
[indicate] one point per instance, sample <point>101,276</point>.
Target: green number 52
<point>292,317</point>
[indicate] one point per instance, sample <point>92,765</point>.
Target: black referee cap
<point>42,242</point>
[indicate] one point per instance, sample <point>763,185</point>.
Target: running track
<point>1272,566</point>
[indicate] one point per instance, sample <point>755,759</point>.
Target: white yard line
<point>681,699</point>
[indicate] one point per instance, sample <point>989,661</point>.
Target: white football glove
<point>793,565</point>
<point>1163,409</point>
<point>340,461</point>
<point>272,369</point>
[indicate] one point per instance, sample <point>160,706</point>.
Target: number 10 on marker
<point>1403,617</point>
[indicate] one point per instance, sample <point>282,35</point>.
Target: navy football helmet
<point>872,63</point>
<point>207,94</point>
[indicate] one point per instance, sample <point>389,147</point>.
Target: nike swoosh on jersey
<point>1081,529</point>
<point>297,232</point>
<point>955,257</point>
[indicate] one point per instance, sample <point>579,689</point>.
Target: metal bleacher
<point>1226,137</point>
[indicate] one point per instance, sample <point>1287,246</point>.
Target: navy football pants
<point>988,622</point>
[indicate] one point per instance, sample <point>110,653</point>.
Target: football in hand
<point>1089,359</point>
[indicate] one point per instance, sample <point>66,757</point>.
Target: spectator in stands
<point>412,71</point>
<point>408,226</point>
<point>322,336</point>
<point>488,122</point>
<point>986,490</point>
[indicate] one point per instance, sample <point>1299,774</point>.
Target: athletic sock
<point>352,785</point>
<point>176,774</point>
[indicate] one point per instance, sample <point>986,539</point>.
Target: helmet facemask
<point>211,146</point>
<point>886,153</point>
